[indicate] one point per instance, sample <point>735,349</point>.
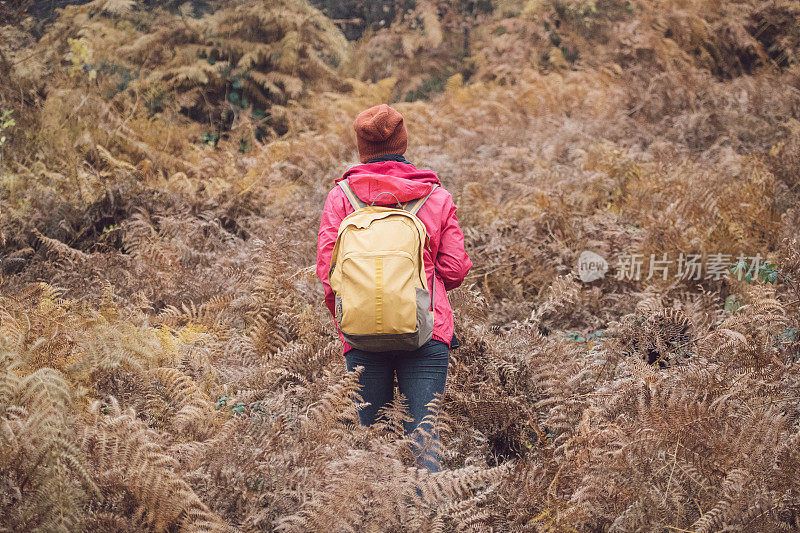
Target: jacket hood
<point>403,180</point>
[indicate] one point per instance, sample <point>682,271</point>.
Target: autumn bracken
<point>166,360</point>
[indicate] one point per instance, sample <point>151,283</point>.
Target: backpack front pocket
<point>379,293</point>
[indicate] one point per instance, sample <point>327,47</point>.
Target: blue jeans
<point>420,374</point>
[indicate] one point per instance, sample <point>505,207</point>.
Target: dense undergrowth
<point>167,363</point>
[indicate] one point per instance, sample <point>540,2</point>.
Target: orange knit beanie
<point>380,131</point>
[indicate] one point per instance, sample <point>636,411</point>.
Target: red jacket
<point>446,256</point>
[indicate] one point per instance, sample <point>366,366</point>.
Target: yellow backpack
<point>378,275</point>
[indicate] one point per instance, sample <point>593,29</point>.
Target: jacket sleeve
<point>332,215</point>
<point>452,261</point>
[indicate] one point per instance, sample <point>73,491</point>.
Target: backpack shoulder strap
<point>415,205</point>
<point>355,201</point>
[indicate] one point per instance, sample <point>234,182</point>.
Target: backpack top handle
<point>399,205</point>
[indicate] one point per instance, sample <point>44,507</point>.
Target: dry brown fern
<point>176,399</point>
<point>559,127</point>
<point>125,458</point>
